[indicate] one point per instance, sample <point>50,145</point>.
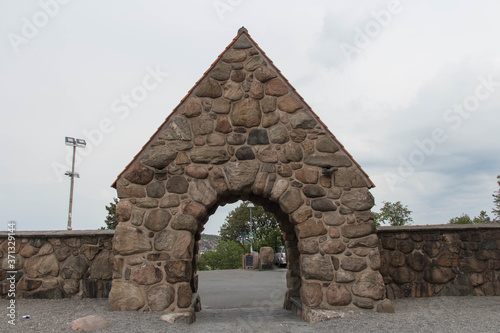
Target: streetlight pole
<point>74,143</point>
<point>251,233</point>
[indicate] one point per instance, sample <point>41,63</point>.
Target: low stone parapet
<point>57,264</point>
<point>440,260</point>
<point>415,261</point>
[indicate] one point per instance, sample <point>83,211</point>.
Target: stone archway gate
<point>243,132</point>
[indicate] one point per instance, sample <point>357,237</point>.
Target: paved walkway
<point>250,301</point>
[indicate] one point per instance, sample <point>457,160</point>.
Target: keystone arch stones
<point>243,132</point>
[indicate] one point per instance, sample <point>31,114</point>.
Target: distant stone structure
<point>243,132</point>
<point>266,257</point>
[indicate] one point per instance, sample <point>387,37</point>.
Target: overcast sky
<point>410,88</point>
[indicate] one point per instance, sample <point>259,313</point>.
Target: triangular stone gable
<point>244,108</point>
<point>243,132</point>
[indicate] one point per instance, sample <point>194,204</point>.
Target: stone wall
<point>59,264</point>
<point>444,260</point>
<point>416,261</point>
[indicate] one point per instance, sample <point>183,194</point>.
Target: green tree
<point>394,214</point>
<point>466,219</point>
<point>265,227</point>
<point>462,219</point>
<point>226,256</point>
<point>111,218</point>
<point>496,201</point>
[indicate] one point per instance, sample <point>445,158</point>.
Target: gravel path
<point>438,314</point>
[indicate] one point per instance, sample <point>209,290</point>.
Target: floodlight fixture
<point>80,143</point>
<point>70,141</point>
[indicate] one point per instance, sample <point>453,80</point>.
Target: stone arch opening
<point>293,278</point>
<point>243,132</point>
<point>293,270</point>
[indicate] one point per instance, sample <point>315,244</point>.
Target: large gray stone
<point>302,120</point>
<point>293,152</point>
<point>232,91</point>
<point>338,295</point>
<point>41,266</point>
<point>311,294</point>
<point>333,246</point>
<point>353,264</point>
<point>146,275</point>
<point>245,153</point>
<point>358,199</point>
<point>246,113</point>
<point>201,192</point>
<point>268,104</point>
<point>178,271</point>
<point>125,296</point>
<point>370,285</point>
<point>89,323</point>
<point>289,104</point>
<point>291,201</point>
<point>159,157</point>
<point>74,268</point>
<point>241,175</point>
<point>221,72</point>
<point>233,56</point>
<point>178,243</point>
<point>102,266</point>
<point>328,160</point>
<point>155,190</point>
<point>129,240</point>
<point>157,219</point>
<point>160,297</point>
<point>316,267</point>
<point>70,286</point>
<point>177,129</point>
<point>139,174</point>
<point>264,74</point>
<point>209,88</point>
<point>209,155</point>
<point>323,205</point>
<point>185,222</point>
<point>278,134</point>
<point>326,145</point>
<point>253,63</point>
<point>349,178</point>
<point>192,107</point>
<point>202,125</point>
<point>258,137</point>
<point>358,230</point>
<point>177,184</point>
<point>276,87</point>
<point>242,43</point>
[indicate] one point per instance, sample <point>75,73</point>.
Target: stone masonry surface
<point>59,264</point>
<point>465,261</point>
<point>243,132</point>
